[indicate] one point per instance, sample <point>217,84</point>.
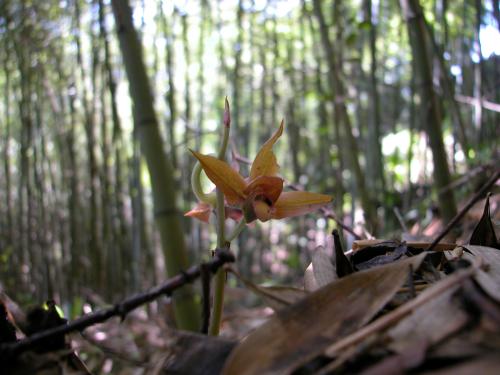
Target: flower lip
<point>269,187</point>
<point>264,199</point>
<point>262,209</point>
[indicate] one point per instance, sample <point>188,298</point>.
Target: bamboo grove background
<point>367,89</point>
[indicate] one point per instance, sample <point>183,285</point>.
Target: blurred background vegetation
<point>387,105</point>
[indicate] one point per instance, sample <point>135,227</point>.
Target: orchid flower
<point>260,195</point>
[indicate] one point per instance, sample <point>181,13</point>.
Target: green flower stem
<point>221,219</point>
<point>220,281</point>
<point>220,276</point>
<point>237,230</point>
<point>209,198</point>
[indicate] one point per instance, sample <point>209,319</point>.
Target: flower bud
<point>227,114</point>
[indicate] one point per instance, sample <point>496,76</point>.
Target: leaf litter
<point>403,309</point>
<point>385,307</point>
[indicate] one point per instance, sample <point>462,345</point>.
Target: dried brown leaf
<point>310,283</point>
<point>398,363</point>
<point>276,297</point>
<point>429,324</point>
<point>323,270</point>
<point>404,339</point>
<point>297,334</point>
<point>484,232</point>
<point>343,265</point>
<point>361,244</point>
<point>487,365</point>
<point>489,276</point>
<point>195,354</point>
<point>52,363</point>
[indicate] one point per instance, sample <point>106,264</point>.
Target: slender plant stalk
<point>220,280</point>
<point>220,276</point>
<point>237,230</point>
<point>197,189</point>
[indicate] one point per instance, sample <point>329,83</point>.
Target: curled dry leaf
<point>488,364</point>
<point>414,328</point>
<point>432,322</point>
<point>320,272</point>
<point>343,265</point>
<point>310,283</point>
<point>484,232</point>
<point>276,297</point>
<point>361,244</point>
<point>195,354</point>
<point>297,334</point>
<point>489,276</point>
<point>324,271</point>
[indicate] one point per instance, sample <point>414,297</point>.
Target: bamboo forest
<point>249,186</point>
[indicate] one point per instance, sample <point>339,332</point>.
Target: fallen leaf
<point>486,365</point>
<point>299,333</point>
<point>196,354</point>
<point>367,253</point>
<point>403,337</point>
<point>361,244</point>
<point>484,232</point>
<point>427,325</point>
<point>379,260</point>
<point>321,271</point>
<point>310,283</point>
<point>276,297</point>
<point>489,276</point>
<point>7,330</point>
<point>343,265</point>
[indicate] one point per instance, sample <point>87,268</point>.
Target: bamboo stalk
<point>167,217</point>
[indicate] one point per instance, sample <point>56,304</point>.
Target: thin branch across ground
<point>121,309</point>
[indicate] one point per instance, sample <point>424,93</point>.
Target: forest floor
<point>387,307</point>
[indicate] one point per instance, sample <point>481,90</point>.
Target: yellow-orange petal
<point>224,177</point>
<point>201,212</point>
<point>269,187</point>
<point>296,203</point>
<point>265,162</point>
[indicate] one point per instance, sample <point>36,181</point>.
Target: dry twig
<point>121,309</point>
<point>466,208</point>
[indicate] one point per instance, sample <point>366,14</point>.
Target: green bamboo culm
<point>167,217</point>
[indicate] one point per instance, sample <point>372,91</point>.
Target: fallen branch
<point>467,207</point>
<point>495,107</point>
<point>120,309</point>
<point>465,178</point>
<point>330,215</point>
